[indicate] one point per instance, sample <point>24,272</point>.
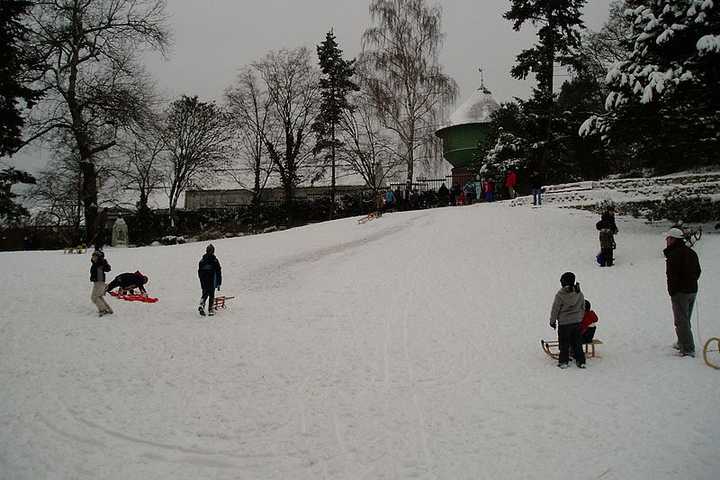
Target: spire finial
<point>482,81</point>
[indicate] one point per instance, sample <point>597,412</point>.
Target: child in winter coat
<point>210,275</point>
<point>607,228</point>
<point>588,324</point>
<point>98,267</point>
<point>567,313</point>
<point>128,282</point>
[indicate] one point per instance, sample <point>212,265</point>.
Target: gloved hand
<point>552,324</point>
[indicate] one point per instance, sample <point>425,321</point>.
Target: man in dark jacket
<point>536,184</point>
<point>210,276</point>
<point>683,272</point>
<point>128,282</point>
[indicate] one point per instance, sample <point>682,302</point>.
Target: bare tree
<point>249,108</point>
<point>291,81</point>
<point>196,136</point>
<point>58,193</point>
<point>140,170</point>
<point>405,79</point>
<point>367,150</point>
<point>92,83</point>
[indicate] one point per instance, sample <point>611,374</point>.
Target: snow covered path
<point>407,347</point>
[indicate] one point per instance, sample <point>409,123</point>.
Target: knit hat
<point>675,233</point>
<point>210,249</point>
<point>567,279</point>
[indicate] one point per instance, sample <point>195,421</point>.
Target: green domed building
<point>468,127</point>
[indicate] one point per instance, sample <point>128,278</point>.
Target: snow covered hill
<point>407,347</point>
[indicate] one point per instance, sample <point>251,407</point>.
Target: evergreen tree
<point>11,212</point>
<point>558,40</point>
<point>14,65</point>
<point>665,97</point>
<point>507,153</point>
<point>335,85</point>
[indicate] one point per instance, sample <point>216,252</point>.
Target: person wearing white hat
<point>683,272</point>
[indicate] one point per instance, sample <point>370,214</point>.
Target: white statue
<point>120,233</point>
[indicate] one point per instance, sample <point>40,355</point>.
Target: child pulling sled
<point>210,275</point>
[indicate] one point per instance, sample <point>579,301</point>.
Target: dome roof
<point>477,109</point>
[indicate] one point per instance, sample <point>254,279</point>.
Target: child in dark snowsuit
<point>210,276</point>
<point>567,312</point>
<point>607,228</point>
<point>588,324</point>
<point>128,282</point>
<point>98,267</point>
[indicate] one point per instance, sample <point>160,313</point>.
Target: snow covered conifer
<point>669,84</point>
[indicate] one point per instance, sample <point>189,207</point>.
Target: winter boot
<point>579,364</point>
<point>563,365</point>
<point>211,311</point>
<point>201,310</point>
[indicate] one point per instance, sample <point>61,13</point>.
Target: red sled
<point>220,301</point>
<point>134,298</point>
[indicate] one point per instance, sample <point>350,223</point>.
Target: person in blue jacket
<point>210,275</point>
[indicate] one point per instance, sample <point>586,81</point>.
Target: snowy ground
<point>407,347</point>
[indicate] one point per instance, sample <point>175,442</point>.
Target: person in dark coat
<point>210,275</point>
<point>128,282</point>
<point>683,272</point>
<point>443,195</point>
<point>98,267</point>
<point>536,184</point>
<point>607,228</point>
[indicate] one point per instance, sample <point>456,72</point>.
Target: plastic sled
<point>134,298</point>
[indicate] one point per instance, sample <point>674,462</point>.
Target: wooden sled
<point>552,348</point>
<point>708,348</point>
<point>220,301</point>
<point>370,216</point>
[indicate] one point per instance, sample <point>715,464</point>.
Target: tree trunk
<point>411,157</point>
<point>89,199</point>
<point>332,168</point>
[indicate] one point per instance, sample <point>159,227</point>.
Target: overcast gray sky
<point>214,38</point>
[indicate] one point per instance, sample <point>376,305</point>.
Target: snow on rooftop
<point>477,109</point>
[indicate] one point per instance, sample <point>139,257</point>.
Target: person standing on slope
<point>536,184</point>
<point>98,267</point>
<point>210,275</point>
<point>683,272</point>
<point>567,313</point>
<point>510,182</point>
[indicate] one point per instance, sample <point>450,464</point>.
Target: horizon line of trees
<point>642,93</point>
